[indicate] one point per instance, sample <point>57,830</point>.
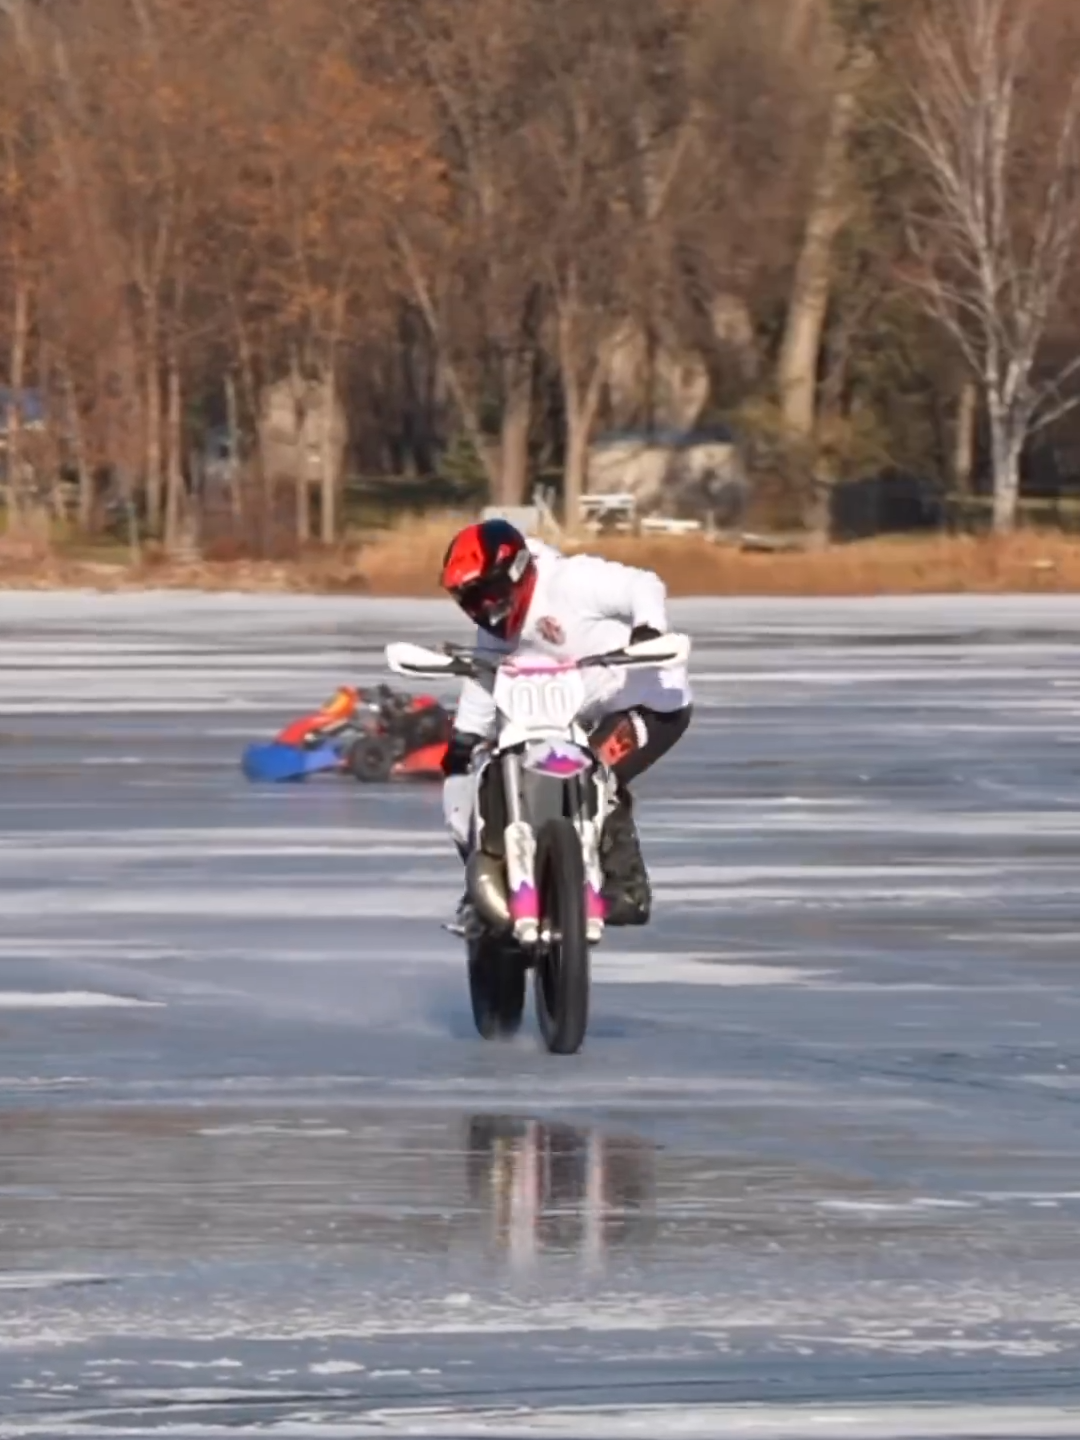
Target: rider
<point>522,592</point>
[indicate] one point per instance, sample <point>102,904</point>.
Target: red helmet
<point>490,572</point>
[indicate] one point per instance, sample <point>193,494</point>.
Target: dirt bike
<point>540,799</point>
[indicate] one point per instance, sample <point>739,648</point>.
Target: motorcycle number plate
<point>537,701</point>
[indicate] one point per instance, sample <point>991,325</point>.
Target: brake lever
<point>461,659</point>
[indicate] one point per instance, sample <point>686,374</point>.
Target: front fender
<point>546,797</point>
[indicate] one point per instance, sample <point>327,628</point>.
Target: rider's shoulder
<point>541,550</point>
<point>581,565</point>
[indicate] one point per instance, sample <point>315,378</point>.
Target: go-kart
<point>374,736</point>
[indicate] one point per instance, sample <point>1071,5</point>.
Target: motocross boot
<point>465,922</point>
<point>627,894</point>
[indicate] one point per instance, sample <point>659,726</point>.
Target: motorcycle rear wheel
<point>562,969</point>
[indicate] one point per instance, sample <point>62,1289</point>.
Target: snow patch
<point>689,968</point>
<point>307,1132</point>
<point>48,1279</point>
<point>72,1000</point>
<point>706,1422</point>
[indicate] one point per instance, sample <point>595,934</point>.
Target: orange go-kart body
<point>428,760</point>
<point>326,721</point>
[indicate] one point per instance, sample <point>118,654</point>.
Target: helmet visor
<point>487,602</point>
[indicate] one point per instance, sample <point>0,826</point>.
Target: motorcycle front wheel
<point>562,967</point>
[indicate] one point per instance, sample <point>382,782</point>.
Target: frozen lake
<point>816,1171</point>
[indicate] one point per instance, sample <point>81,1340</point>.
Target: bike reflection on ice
<point>552,1188</point>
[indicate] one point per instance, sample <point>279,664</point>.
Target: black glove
<point>459,753</point>
<point>643,632</point>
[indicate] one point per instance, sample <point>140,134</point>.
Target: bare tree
<point>808,303</point>
<point>997,237</point>
<point>471,266</point>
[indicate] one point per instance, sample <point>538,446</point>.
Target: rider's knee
<point>457,808</point>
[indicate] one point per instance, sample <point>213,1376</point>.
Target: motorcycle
<point>541,796</point>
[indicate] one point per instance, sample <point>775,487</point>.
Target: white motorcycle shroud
<point>540,704</point>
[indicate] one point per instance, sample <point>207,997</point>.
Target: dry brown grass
<point>406,561</point>
<point>325,575</point>
<point>908,566</point>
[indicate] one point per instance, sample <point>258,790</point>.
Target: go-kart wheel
<point>371,759</point>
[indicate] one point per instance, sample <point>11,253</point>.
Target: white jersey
<point>583,605</point>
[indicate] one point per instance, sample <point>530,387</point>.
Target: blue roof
<point>30,405</point>
<point>669,436</point>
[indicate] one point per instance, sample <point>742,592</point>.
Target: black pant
<point>632,741</point>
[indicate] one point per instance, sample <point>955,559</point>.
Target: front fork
<point>590,828</point>
<point>520,841</point>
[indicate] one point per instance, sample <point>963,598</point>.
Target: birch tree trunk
<point>153,421</point>
<point>232,425</point>
<point>583,371</point>
<point>809,301</point>
<point>174,487</point>
<point>1006,446</point>
<point>579,424</point>
<point>514,432</point>
<point>967,414</point>
<point>331,455</point>
<point>303,506</point>
<point>800,16</point>
<point>82,464</point>
<point>20,332</point>
<point>329,466</point>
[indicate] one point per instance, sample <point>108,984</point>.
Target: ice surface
<point>817,1170</point>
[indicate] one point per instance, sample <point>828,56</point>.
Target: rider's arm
<point>626,593</point>
<point>474,720</point>
<point>475,711</point>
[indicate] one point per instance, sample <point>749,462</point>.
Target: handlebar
<point>466,663</point>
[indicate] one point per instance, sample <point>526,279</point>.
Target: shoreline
<point>403,565</point>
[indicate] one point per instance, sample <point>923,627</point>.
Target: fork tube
<point>512,789</point>
<point>520,858</point>
<point>590,826</point>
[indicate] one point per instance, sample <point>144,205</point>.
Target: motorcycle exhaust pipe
<point>487,889</point>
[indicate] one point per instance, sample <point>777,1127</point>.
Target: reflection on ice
<point>553,1187</point>
<point>161,1183</point>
